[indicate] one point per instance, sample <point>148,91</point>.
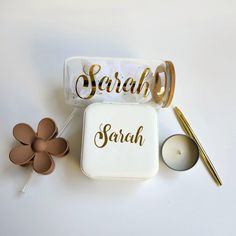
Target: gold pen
<point>188,130</point>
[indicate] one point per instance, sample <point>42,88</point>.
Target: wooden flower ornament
<point>38,148</point>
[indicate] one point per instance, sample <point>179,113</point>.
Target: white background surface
<point>198,36</point>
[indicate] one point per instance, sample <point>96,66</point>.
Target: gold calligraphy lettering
<point>105,83</point>
<point>102,137</point>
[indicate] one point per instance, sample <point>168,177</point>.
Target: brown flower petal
<point>21,155</point>
<point>24,133</point>
<point>46,129</point>
<point>57,147</point>
<point>43,163</point>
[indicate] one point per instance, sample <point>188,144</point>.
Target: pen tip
<point>175,108</point>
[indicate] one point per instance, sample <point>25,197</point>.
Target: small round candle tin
<point>180,152</point>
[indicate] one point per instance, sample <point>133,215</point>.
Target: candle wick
<point>179,152</point>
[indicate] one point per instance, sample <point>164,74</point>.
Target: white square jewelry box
<point>120,141</point>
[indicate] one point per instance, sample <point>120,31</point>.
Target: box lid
<point>120,141</point>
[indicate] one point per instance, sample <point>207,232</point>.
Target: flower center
<point>39,145</point>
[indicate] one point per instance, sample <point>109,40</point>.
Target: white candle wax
<point>180,152</point>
